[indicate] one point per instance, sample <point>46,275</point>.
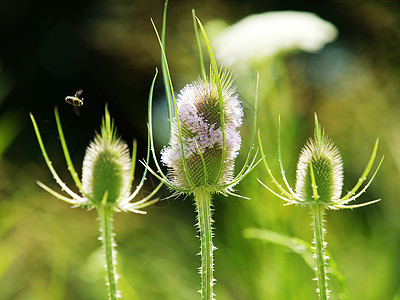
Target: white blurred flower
<point>264,35</point>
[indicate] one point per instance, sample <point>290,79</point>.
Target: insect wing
<point>78,93</point>
<point>77,111</point>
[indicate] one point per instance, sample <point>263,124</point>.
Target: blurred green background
<point>50,49</point>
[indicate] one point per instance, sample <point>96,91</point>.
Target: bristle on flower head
<point>202,134</point>
<point>324,158</point>
<point>106,167</point>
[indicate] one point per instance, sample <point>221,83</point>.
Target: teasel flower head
<point>204,130</point>
<point>107,172</point>
<point>319,175</point>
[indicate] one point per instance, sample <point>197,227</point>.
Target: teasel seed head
<point>321,158</point>
<point>106,167</point>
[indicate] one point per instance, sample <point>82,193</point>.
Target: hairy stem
<point>318,223</point>
<point>203,207</point>
<point>107,237</point>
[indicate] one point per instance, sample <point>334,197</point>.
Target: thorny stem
<point>318,222</point>
<point>107,237</point>
<point>203,207</point>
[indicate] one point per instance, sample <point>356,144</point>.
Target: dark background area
<point>49,50</point>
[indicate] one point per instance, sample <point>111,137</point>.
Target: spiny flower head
<point>107,171</point>
<point>106,167</point>
<point>319,176</point>
<point>320,158</point>
<point>202,137</point>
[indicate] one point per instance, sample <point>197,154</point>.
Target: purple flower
<point>207,137</point>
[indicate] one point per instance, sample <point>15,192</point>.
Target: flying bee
<point>75,100</point>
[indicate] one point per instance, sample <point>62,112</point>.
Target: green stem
<point>203,207</point>
<point>318,218</point>
<point>107,237</point>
